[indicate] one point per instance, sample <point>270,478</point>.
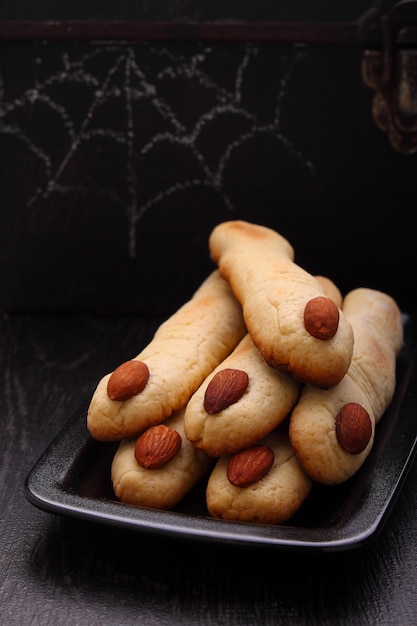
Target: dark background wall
<point>118,158</point>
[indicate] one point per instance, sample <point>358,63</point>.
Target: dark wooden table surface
<point>63,570</point>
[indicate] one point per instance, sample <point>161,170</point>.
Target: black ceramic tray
<point>72,477</point>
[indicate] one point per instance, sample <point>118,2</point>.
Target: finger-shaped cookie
<point>331,290</point>
<point>161,379</point>
<point>292,321</point>
<point>262,484</point>
<point>158,468</point>
<point>244,398</point>
<point>332,431</point>
<point>240,402</point>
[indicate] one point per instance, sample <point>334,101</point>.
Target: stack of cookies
<point>265,381</point>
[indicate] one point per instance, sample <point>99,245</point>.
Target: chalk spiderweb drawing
<point>143,117</point>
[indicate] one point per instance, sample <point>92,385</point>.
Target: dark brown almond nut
<point>353,428</point>
<point>224,389</point>
<point>127,380</point>
<point>248,466</point>
<point>156,446</point>
<point>321,318</point>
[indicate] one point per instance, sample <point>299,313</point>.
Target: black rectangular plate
<point>72,477</point>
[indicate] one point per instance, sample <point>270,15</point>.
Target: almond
<point>127,380</point>
<point>321,318</point>
<point>248,466</point>
<point>156,446</point>
<point>224,389</point>
<point>353,428</point>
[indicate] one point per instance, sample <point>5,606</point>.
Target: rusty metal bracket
<point>391,71</point>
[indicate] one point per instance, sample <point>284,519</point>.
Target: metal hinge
<point>391,71</point>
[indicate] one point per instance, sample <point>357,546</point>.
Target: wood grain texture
<point>62,571</point>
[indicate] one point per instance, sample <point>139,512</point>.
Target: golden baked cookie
<point>331,290</point>
<point>273,498</point>
<point>291,320</point>
<point>332,431</point>
<point>151,485</point>
<point>161,379</point>
<point>240,402</point>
